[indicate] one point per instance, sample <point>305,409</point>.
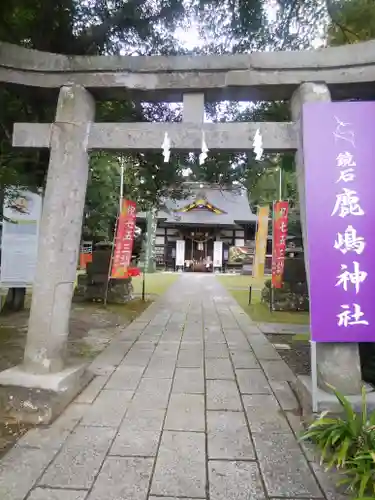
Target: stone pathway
<point>190,401</point>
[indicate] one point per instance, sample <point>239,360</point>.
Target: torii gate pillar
<point>60,233</point>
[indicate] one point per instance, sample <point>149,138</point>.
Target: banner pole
<point>111,261</point>
<point>143,284</point>
<point>273,210</point>
<point>314,377</point>
<point>273,250</point>
<point>121,184</point>
<point>121,197</point>
<point>144,269</point>
<point>256,235</point>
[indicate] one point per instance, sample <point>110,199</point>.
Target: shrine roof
<point>231,205</point>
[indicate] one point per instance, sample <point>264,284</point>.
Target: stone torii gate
<point>297,76</point>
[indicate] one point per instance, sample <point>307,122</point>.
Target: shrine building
<point>211,228</point>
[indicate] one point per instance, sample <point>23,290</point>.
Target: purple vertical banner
<point>339,155</point>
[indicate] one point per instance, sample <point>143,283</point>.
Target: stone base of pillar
<point>326,401</point>
<point>339,365</point>
<point>38,399</point>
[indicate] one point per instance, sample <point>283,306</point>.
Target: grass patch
<point>301,337</point>
<point>240,281</point>
<point>261,314</point>
<point>131,310</point>
<point>84,350</point>
<point>238,286</point>
<point>156,283</point>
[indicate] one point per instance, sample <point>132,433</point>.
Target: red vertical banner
<point>86,254</point>
<point>122,253</point>
<point>280,232</point>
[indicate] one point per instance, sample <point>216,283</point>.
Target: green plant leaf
<point>371,418</point>
<point>323,422</point>
<point>364,406</point>
<point>364,482</point>
<point>348,444</point>
<point>350,414</point>
<point>342,455</point>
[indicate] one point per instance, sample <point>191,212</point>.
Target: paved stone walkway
<point>189,402</point>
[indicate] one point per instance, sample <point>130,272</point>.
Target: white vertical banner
<point>218,253</point>
<point>19,243</point>
<point>180,252</point>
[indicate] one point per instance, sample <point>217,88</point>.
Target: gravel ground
<point>297,357</point>
<point>92,327</point>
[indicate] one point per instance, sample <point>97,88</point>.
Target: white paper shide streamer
<point>166,147</point>
<point>205,150</point>
<point>258,145</point>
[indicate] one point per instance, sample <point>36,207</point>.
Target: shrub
<point>348,443</point>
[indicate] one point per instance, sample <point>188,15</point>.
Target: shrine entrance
<point>194,81</point>
<point>199,249</point>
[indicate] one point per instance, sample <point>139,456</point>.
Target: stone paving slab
<point>219,369</point>
<point>48,494</point>
<point>228,436</point>
<point>180,465</point>
<point>243,358</point>
<point>141,419</point>
<point>284,395</point>
<point>264,414</point>
<point>185,413</point>
<point>123,478</point>
<point>71,416</point>
<point>278,370</point>
<point>161,368</point>
<point>328,481</point>
<point>152,394</point>
<point>20,469</point>
<point>223,395</point>
<point>252,381</point>
<point>138,357</point>
<point>174,498</point>
<point>133,442</point>
<point>45,438</point>
<point>237,480</point>
<point>108,409</point>
<point>190,358</point>
<point>89,394</point>
<point>190,402</point>
<point>80,459</point>
<point>189,381</point>
<point>216,350</point>
<point>284,467</point>
<point>126,377</point>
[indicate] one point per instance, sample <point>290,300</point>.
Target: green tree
<point>352,21</point>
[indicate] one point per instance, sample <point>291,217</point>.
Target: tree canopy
<point>150,27</point>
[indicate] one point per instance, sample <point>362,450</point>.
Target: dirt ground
<point>91,328</point>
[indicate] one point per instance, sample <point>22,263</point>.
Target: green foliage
<point>352,21</point>
<point>102,199</point>
<point>348,443</point>
<point>143,27</point>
